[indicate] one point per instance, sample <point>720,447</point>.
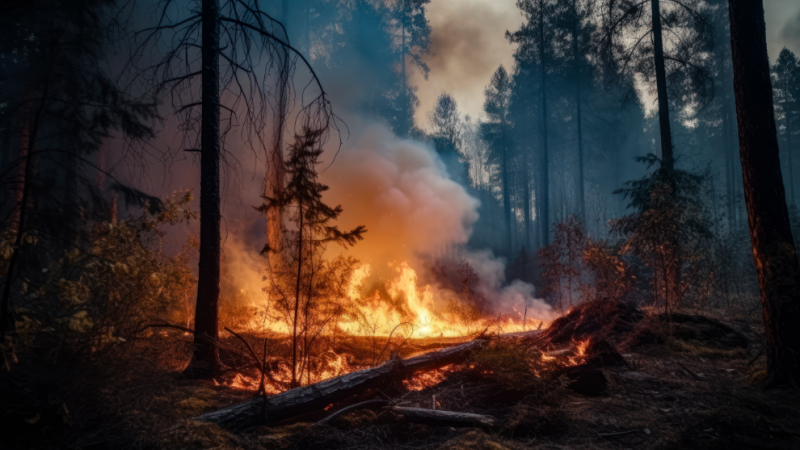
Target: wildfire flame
<point>416,311</point>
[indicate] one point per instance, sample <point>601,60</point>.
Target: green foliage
<point>91,301</point>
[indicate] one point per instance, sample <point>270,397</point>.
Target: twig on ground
<point>692,374</point>
<point>373,402</point>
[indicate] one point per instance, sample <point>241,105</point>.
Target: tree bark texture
<point>667,158</point>
<point>27,139</point>
<point>543,193</point>
<point>768,218</point>
<point>578,118</point>
<point>306,399</point>
<point>205,358</point>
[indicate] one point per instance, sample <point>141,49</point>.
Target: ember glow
<point>425,380</point>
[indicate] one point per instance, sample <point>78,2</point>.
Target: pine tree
<point>414,36</point>
<point>233,38</point>
<point>496,131</point>
<point>305,245</point>
<point>535,47</point>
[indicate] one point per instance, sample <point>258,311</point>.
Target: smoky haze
<point>468,43</point>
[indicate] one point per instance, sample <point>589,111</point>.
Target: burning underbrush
<point>356,316</point>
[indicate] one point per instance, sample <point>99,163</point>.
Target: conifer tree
<point>304,245</point>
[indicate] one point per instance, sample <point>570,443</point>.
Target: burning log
<point>437,417</point>
<point>306,399</point>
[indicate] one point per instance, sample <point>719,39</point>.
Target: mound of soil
<point>594,319</point>
<point>704,331</point>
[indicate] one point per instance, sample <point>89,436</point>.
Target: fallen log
<point>264,410</point>
<point>437,417</point>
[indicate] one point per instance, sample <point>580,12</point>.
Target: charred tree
<point>205,358</point>
<point>768,217</point>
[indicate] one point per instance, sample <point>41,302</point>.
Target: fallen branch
<point>373,402</point>
<point>437,417</point>
<point>690,373</point>
<point>306,399</point>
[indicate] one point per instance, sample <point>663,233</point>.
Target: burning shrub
<point>669,231</point>
<point>455,275</point>
<point>577,267</point>
<point>562,262</point>
<point>308,291</point>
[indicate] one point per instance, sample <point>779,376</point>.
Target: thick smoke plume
<point>401,191</point>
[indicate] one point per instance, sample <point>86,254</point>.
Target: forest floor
<point>680,393</point>
<point>686,384</point>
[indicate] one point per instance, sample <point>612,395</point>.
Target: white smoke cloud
<point>400,190</point>
<point>511,299</point>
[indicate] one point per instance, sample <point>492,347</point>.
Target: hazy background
<point>468,43</point>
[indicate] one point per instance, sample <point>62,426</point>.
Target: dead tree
<point>240,49</point>
<point>768,217</point>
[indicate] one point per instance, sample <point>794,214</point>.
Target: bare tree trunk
<point>526,197</point>
<point>205,358</point>
<point>667,158</point>
<point>579,120</point>
<point>27,141</point>
<point>406,126</point>
<point>544,195</point>
<point>276,170</point>
<point>789,153</point>
<point>730,170</point>
<point>506,195</point>
<point>297,293</point>
<point>17,219</point>
<point>768,217</point>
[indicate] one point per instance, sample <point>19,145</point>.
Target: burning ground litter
<point>659,393</point>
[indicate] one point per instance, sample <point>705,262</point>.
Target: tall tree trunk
<point>506,195</point>
<point>730,169</point>
<point>789,153</point>
<point>768,217</point>
<point>526,198</point>
<point>578,119</point>
<point>672,271</point>
<point>406,125</point>
<point>27,141</point>
<point>543,196</point>
<point>205,358</point>
<point>294,382</point>
<point>667,158</point>
<point>276,169</point>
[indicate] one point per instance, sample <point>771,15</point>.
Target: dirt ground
<point>695,390</point>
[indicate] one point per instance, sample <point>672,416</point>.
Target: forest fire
<point>401,312</point>
<point>367,224</point>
